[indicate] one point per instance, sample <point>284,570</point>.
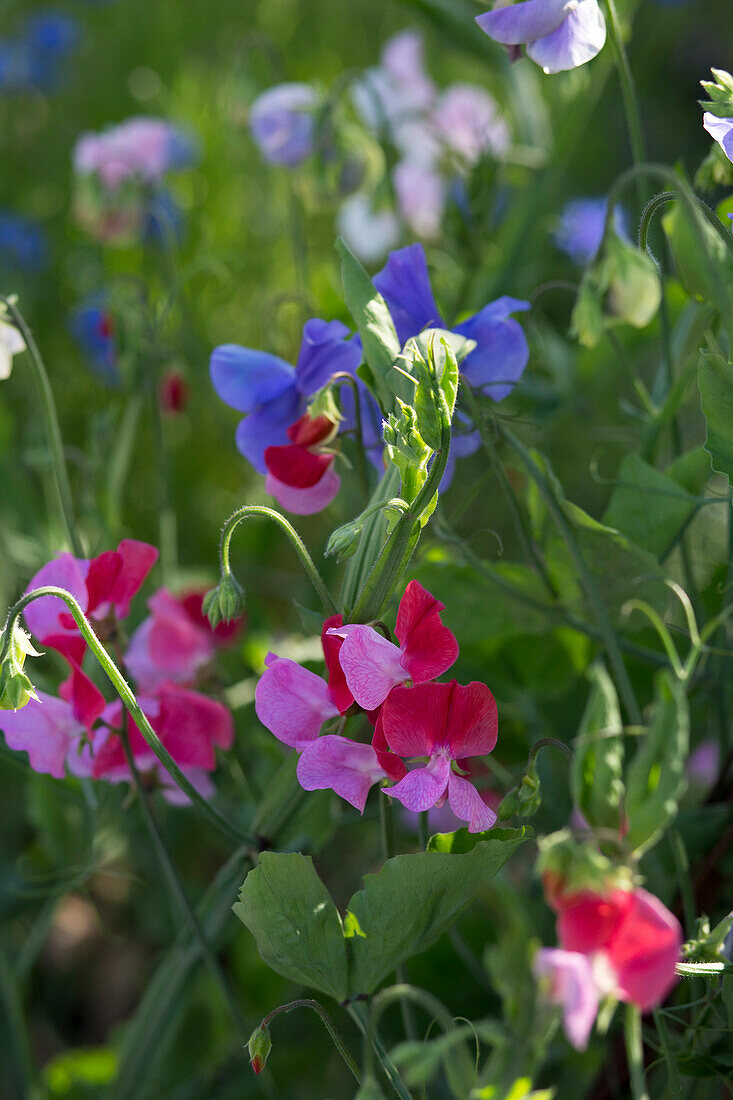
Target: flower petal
<point>372,666</point>
<point>472,720</point>
<point>45,728</point>
<point>266,427</point>
<point>327,349</point>
<point>246,379</point>
<point>422,787</point>
<point>644,950</point>
<point>575,42</point>
<point>415,718</point>
<point>428,647</point>
<point>501,353</point>
<point>338,764</point>
<point>296,466</point>
<point>43,616</point>
<point>138,558</point>
<point>337,686</point>
<point>468,805</point>
<point>292,702</point>
<point>392,764</point>
<point>519,23</point>
<point>404,284</point>
<point>573,987</point>
<point>721,130</point>
<point>305,502</point>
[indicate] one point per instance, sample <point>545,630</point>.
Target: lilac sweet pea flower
<point>468,121</point>
<point>496,363</point>
<point>558,34</point>
<point>571,985</point>
<point>421,197</point>
<point>721,130</point>
<point>582,222</point>
<point>282,123</point>
<point>273,393</point>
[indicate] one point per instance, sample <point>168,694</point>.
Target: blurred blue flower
<point>34,57</point>
<point>580,231</point>
<point>93,327</point>
<point>23,243</point>
<point>282,122</point>
<point>163,220</point>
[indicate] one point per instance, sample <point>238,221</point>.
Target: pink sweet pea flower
<point>636,936</point>
<point>444,722</point>
<point>372,665</point>
<point>292,702</point>
<point>335,763</point>
<point>46,729</point>
<point>300,474</point>
<point>168,646</point>
<point>572,985</point>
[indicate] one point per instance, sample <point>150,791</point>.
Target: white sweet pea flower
<point>11,342</point>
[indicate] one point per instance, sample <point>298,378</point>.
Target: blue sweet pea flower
<point>404,283</point>
<point>497,362</point>
<point>93,327</point>
<point>582,222</point>
<point>23,243</point>
<point>48,37</point>
<point>282,123</point>
<point>557,34</point>
<point>327,349</point>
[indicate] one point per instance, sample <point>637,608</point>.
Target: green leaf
<point>461,841</point>
<point>597,768</point>
<point>715,378</point>
<point>376,328</point>
<point>655,780</point>
<point>406,907</point>
<point>697,251</point>
<point>295,923</point>
<point>648,506</point>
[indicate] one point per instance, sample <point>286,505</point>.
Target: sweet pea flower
<point>369,232</point>
<point>421,197</point>
<point>558,34</point>
<point>272,393</point>
<point>34,58</point>
<point>168,646</point>
<point>497,362</point>
<point>93,327</point>
<point>444,722</point>
<point>140,148</point>
<point>629,943</point>
<point>399,90</point>
<point>372,665</point>
<point>11,344</point>
<point>334,763</point>
<point>582,223</point>
<point>282,123</point>
<point>468,122</point>
<point>46,729</point>
<point>292,702</point>
<point>721,130</point>
<point>23,243</point>
<point>300,475</point>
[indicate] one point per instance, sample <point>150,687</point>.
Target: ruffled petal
<point>415,718</point>
<point>338,764</point>
<point>525,22</point>
<point>326,350</point>
<point>501,353</point>
<point>372,666</point>
<point>422,787</point>
<point>292,702</point>
<point>468,805</point>
<point>404,284</point>
<point>296,466</point>
<point>305,502</point>
<point>246,379</point>
<point>472,720</point>
<point>575,42</point>
<point>571,985</point>
<point>721,130</point>
<point>428,647</point>
<point>332,643</point>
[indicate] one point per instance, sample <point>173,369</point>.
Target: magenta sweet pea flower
<point>168,646</point>
<point>292,702</point>
<point>373,666</point>
<point>558,34</point>
<point>444,722</point>
<point>571,984</point>
<point>46,729</point>
<point>347,767</point>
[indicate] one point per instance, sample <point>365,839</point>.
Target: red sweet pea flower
<point>300,474</point>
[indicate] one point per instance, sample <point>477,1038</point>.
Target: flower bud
<point>569,866</point>
<point>634,289</point>
<point>15,686</point>
<point>225,602</point>
<point>344,540</point>
<point>259,1047</point>
<point>587,318</point>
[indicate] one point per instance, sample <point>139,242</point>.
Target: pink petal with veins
<point>338,764</point>
<point>371,664</point>
<point>45,728</point>
<point>468,805</point>
<point>292,702</point>
<point>422,787</point>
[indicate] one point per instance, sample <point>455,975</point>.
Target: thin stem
<point>373,1042</point>
<point>338,1042</point>
<point>176,887</point>
<point>129,700</point>
<point>607,632</point>
<point>249,510</point>
<point>344,379</point>
<point>386,817</point>
<point>628,88</point>
<point>53,431</point>
<point>635,1052</point>
<point>167,523</point>
<point>550,742</point>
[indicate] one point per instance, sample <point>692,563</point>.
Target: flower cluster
<point>79,731</point>
<point>34,58</point>
<point>557,34</point>
<point>414,717</point>
<point>120,194</point>
<point>619,943</point>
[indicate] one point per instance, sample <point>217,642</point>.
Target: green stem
<point>344,379</point>
<point>635,1052</point>
<point>53,431</point>
<point>550,742</point>
<point>20,1064</point>
<point>628,88</point>
<point>129,700</point>
<point>175,887</point>
<point>249,510</point>
<point>603,622</point>
<point>338,1042</point>
<point>364,1021</point>
<point>386,817</point>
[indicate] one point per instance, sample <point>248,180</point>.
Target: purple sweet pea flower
<point>282,123</point>
<point>470,124</point>
<point>404,283</point>
<point>421,196</point>
<point>582,222</point>
<point>571,985</point>
<point>497,362</point>
<point>558,34</point>
<point>327,349</point>
<point>721,130</point>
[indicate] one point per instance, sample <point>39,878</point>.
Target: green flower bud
<point>344,540</point>
<point>16,688</point>
<point>634,289</point>
<point>259,1047</point>
<point>324,404</point>
<point>225,602</point>
<point>720,92</point>
<point>707,944</point>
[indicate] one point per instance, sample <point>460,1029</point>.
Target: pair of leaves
<point>402,910</point>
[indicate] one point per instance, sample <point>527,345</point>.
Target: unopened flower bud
<point>259,1047</point>
<point>344,540</point>
<point>173,393</point>
<point>634,289</point>
<point>15,686</point>
<point>225,602</point>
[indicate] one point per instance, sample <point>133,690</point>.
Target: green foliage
<point>648,506</point>
<point>597,769</point>
<point>715,378</point>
